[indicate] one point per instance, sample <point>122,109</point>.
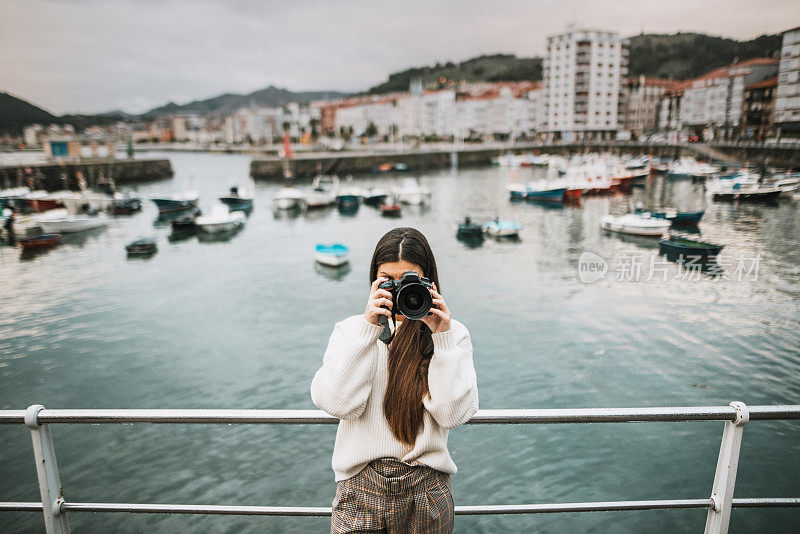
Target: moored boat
<point>679,246</point>
<point>57,221</point>
<point>237,200</point>
<point>220,220</point>
<point>500,228</point>
<point>322,193</point>
<point>545,193</point>
<point>635,224</point>
<point>142,247</point>
<point>334,255</point>
<point>287,198</point>
<point>375,196</point>
<point>674,216</point>
<point>469,230</point>
<point>390,207</point>
<point>41,241</point>
<point>745,192</point>
<point>411,192</point>
<point>176,201</point>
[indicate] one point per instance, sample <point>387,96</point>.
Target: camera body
<point>410,295</point>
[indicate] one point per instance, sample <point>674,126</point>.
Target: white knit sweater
<point>351,385</point>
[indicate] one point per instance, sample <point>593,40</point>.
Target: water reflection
<point>337,274</point>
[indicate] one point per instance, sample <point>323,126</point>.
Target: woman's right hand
<point>377,298</point>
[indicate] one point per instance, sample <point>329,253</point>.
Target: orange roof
<point>769,82</point>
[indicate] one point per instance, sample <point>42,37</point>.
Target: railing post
<point>55,521</point>
<point>719,515</point>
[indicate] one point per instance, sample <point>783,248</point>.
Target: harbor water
<point>243,323</point>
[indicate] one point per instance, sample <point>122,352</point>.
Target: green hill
<point>679,56</point>
<point>688,55</point>
<point>16,113</point>
<point>496,68</point>
<point>227,103</point>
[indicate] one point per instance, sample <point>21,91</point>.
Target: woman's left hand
<point>438,319</point>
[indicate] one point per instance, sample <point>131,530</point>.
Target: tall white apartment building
<point>787,97</point>
<point>583,71</point>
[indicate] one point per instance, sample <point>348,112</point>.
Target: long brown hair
<point>412,347</point>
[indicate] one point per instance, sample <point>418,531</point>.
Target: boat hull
<point>753,196</point>
<point>40,242</point>
<point>73,225</point>
<point>675,250</point>
<point>634,228</point>
<point>166,205</point>
<point>237,203</point>
<point>681,217</point>
<point>331,260</point>
<point>546,195</point>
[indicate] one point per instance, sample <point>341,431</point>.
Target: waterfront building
<point>787,95</point>
<point>641,101</point>
<point>757,115</point>
<point>583,70</point>
<point>712,103</point>
<point>381,113</point>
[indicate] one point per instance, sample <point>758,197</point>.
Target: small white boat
<point>75,201</point>
<point>334,255</point>
<point>635,224</point>
<point>322,193</point>
<point>498,228</point>
<point>220,220</point>
<point>58,221</point>
<point>288,198</point>
<point>411,192</point>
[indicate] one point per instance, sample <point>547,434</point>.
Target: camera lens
<point>414,301</point>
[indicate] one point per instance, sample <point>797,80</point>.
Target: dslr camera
<point>410,295</point>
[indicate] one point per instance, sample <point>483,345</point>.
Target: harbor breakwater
<point>309,165</point>
<point>66,175</point>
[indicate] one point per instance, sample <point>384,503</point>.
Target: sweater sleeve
<point>452,382</point>
<point>342,385</point>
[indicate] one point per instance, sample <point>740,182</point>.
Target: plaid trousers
<point>394,497</point>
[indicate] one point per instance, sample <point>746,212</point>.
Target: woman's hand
<point>438,319</point>
<point>377,298</point>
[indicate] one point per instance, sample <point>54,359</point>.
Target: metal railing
<point>719,504</point>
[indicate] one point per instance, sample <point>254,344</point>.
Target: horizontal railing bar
<point>21,507</point>
<point>12,417</point>
<point>500,416</point>
<point>489,509</point>
<point>767,502</point>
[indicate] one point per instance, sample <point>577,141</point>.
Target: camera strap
<point>387,334</point>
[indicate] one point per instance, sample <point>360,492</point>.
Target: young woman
<point>396,402</point>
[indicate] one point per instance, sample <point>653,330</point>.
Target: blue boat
<point>176,202</point>
<point>545,195</point>
<point>676,217</point>
<point>688,249</point>
<point>236,201</point>
<point>333,255</point>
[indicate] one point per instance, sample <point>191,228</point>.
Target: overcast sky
<point>91,56</point>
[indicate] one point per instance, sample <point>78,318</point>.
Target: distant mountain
<point>678,56</point>
<point>227,103</point>
<point>16,113</point>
